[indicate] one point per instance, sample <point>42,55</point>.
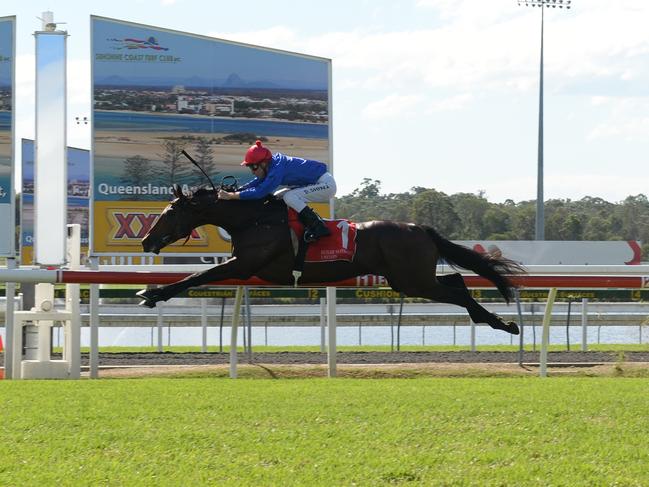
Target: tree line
<point>468,216</point>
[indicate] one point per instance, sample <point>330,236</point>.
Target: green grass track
<point>325,432</point>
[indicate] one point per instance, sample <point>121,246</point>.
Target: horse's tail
<point>492,268</point>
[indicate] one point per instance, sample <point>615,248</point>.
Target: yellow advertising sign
<point>119,226</point>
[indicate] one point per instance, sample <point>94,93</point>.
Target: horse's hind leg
<point>410,270</point>
<point>451,289</point>
<point>453,295</point>
<point>454,280</point>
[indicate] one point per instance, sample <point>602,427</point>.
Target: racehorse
<point>405,254</point>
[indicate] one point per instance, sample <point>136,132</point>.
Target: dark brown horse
<point>405,254</point>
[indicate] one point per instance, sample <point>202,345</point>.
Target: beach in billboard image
<point>159,92</point>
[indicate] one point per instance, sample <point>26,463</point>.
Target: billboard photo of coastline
<point>158,92</point>
<point>7,218</point>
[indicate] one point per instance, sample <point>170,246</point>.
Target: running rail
<point>63,276</point>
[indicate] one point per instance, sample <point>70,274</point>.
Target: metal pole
<point>248,322</point>
<point>533,329</point>
<point>159,324</point>
<point>545,340</point>
<point>540,217</point>
<point>391,311</point>
<point>236,313</point>
<point>399,324</point>
<point>521,343</point>
<point>9,324</point>
<point>221,325</point>
<point>94,323</point>
<point>472,324</point>
<point>331,325</point>
<point>584,324</point>
<point>568,325</point>
<point>203,325</point>
<point>323,323</point>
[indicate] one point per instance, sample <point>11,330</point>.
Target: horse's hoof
<point>509,327</point>
<point>147,304</point>
<point>148,298</point>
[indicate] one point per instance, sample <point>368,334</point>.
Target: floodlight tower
<point>539,233</point>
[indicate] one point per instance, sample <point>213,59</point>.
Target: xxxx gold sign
<point>121,226</point>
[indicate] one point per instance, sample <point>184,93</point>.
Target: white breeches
<point>320,192</point>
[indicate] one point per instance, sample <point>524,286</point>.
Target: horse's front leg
<point>230,269</point>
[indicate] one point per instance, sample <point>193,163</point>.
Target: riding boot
<point>314,227</point>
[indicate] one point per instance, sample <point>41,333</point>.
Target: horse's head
<point>176,221</point>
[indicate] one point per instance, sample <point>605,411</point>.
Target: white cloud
<point>626,118</point>
<point>391,106</point>
<point>629,130</point>
<point>279,37</point>
<point>451,103</point>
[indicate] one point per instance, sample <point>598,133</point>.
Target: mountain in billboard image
<point>233,80</point>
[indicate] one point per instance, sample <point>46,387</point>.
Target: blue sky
<point>434,93</point>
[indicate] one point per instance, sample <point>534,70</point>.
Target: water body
<point>147,122</point>
<point>5,121</point>
<point>349,336</point>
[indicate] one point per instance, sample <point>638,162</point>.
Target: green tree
<point>138,171</point>
<point>205,157</point>
<point>435,208</point>
<point>470,209</point>
<point>174,168</point>
<point>523,220</point>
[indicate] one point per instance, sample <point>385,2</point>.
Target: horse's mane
<point>204,197</point>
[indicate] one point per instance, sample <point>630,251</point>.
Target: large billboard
<point>7,213</point>
<point>77,205</point>
<point>157,92</point>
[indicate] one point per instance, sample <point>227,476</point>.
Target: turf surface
<point>522,431</point>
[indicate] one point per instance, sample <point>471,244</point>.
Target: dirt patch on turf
<point>378,371</point>
<point>342,358</point>
<point>288,365</point>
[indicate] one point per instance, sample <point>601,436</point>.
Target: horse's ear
<point>178,193</point>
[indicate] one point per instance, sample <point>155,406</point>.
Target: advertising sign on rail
<point>78,189</point>
<point>7,213</point>
<point>157,92</point>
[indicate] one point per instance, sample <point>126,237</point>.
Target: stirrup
<point>314,233</point>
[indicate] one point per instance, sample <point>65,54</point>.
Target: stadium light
<point>539,233</point>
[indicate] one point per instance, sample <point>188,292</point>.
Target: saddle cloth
<point>340,245</point>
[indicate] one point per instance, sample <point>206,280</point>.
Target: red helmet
<point>256,154</point>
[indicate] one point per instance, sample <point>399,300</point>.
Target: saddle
<point>340,245</point>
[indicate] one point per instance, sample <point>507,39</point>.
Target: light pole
<point>539,233</point>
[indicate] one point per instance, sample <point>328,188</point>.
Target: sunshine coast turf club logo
<point>131,43</point>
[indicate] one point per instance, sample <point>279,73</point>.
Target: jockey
<point>307,181</point>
